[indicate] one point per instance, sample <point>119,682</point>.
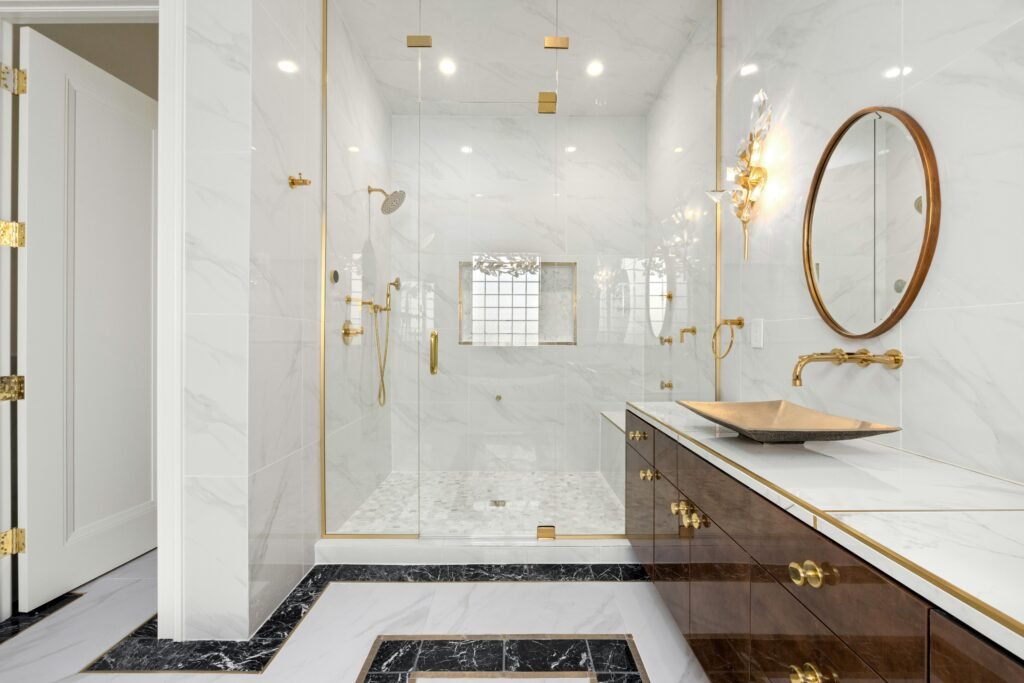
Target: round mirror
<point>871,223</point>
<point>659,278</point>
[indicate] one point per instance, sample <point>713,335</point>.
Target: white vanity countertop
<point>953,536</point>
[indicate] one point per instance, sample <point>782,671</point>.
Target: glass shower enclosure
<point>484,331</point>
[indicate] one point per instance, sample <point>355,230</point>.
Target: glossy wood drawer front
<point>640,436</point>
<point>672,552</point>
<point>639,508</point>
<point>665,457</point>
<point>959,656</point>
<point>884,623</point>
<point>787,640</point>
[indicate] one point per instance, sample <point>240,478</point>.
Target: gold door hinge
<point>12,234</point>
<point>12,542</point>
<point>12,388</point>
<point>14,81</point>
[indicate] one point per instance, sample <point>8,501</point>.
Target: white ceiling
<point>498,47</point>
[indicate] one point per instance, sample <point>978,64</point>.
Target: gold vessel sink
<point>784,422</point>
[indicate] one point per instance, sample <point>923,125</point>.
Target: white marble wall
<point>251,503</point>
<point>358,247</point>
<point>681,217</point>
<point>958,398</point>
<point>518,191</point>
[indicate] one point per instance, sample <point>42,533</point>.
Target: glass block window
<point>506,309</point>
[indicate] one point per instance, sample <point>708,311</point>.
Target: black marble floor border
<point>17,623</point>
<point>142,651</point>
<point>599,658</point>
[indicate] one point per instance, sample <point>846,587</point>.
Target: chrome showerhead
<point>392,200</point>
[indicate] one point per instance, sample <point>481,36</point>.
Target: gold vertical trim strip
<point>323,271</point>
<point>718,188</point>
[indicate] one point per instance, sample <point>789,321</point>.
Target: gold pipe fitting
<point>892,359</point>
<point>683,331</point>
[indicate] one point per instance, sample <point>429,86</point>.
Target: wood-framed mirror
<point>871,222</point>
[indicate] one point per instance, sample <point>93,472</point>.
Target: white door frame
<point>169,262</point>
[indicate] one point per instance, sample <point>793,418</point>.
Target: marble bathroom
<point>658,341</point>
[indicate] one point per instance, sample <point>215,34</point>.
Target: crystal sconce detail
<point>751,176</point>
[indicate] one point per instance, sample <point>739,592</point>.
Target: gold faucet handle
<point>685,331</point>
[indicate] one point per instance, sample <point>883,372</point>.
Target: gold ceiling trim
<point>419,41</point>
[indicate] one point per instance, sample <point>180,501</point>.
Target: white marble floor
<point>332,642</point>
<point>488,505</point>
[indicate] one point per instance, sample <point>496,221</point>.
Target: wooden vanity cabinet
<point>671,574</point>
<point>959,656</point>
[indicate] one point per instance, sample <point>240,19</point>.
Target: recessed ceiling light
<point>677,150</point>
<point>570,149</point>
<point>748,69</point>
<point>353,149</point>
<point>894,71</point>
<point>288,66</point>
<point>446,66</point>
<point>466,149</point>
<point>595,68</point>
<point>478,195</point>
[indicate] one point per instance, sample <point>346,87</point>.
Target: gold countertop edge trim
<point>981,606</point>
<point>854,511</point>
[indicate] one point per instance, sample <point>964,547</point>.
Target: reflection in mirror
<point>868,224</point>
<point>658,288</point>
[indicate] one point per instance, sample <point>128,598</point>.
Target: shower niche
<point>516,300</point>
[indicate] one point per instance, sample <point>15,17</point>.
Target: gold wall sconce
<point>685,331</point>
<point>732,324</point>
<point>298,181</point>
<point>751,176</point>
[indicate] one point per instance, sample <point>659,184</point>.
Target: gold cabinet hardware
<point>298,181</point>
<point>733,324</point>
<point>682,508</point>
<point>667,384</point>
<point>12,542</point>
<point>809,673</point>
<point>497,397</point>
<point>892,359</point>
<point>665,341</point>
<point>547,102</point>
<point>546,532</point>
<point>638,436</point>
<point>556,42</point>
<point>433,352</point>
<point>12,388</point>
<point>12,234</point>
<point>350,331</point>
<point>419,41</point>
<point>648,475</point>
<point>812,574</point>
<point>14,81</point>
<point>685,331</point>
<point>669,296</point>
<point>695,520</point>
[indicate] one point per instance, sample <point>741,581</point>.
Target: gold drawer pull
<point>810,674</point>
<point>695,520</point>
<point>681,508</point>
<point>638,436</point>
<point>813,574</point>
<point>646,475</point>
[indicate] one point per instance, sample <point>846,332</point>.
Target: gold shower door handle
<point>433,352</point>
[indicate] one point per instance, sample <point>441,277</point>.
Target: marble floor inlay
<point>603,658</point>
<point>17,623</point>
<point>141,650</point>
<point>488,504</point>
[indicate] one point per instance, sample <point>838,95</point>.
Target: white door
<point>87,194</point>
<point>6,316</point>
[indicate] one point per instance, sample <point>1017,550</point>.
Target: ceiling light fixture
<point>570,149</point>
<point>748,69</point>
<point>895,71</point>
<point>353,149</point>
<point>288,66</point>
<point>446,66</point>
<point>678,150</point>
<point>466,149</point>
<point>595,68</point>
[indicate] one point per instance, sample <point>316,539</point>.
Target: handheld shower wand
<point>382,355</point>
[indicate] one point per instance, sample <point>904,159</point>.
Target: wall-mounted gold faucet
<point>683,331</point>
<point>891,359</point>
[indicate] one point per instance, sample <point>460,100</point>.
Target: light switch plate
<point>757,333</point>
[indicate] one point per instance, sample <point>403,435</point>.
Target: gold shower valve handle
<point>298,181</point>
<point>685,331</point>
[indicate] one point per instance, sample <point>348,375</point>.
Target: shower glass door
<point>551,253</point>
